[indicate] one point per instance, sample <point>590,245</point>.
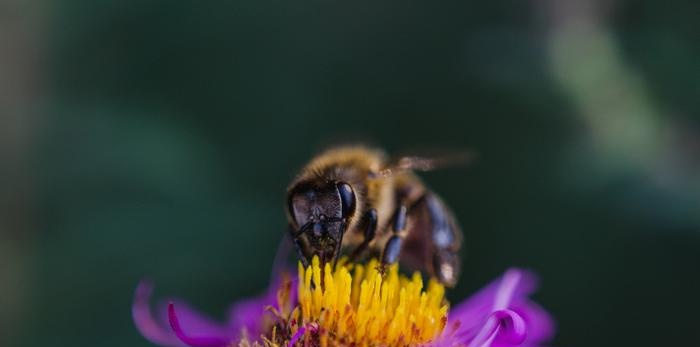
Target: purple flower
<point>361,309</point>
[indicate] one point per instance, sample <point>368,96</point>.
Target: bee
<point>355,200</point>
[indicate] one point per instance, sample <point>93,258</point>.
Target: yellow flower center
<point>368,308</point>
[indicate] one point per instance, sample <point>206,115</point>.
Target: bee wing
<point>428,163</point>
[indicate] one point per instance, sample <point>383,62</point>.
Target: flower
<point>358,305</point>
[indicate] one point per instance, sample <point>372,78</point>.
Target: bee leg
<point>300,247</point>
<point>370,232</point>
<point>300,251</point>
<point>446,267</point>
<point>446,241</point>
<point>392,250</point>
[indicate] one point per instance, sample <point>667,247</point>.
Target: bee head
<point>319,212</point>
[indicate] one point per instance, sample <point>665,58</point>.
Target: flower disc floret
<point>371,307</point>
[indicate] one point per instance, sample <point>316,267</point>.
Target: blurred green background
<point>156,138</point>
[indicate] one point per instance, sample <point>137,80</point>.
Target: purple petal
<point>193,321</point>
<point>504,326</point>
<point>198,341</point>
<point>157,328</point>
<point>146,324</point>
<point>514,285</point>
<point>507,289</point>
<point>540,325</point>
<point>501,314</point>
<point>248,314</point>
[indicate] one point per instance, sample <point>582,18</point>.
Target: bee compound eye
<point>347,198</point>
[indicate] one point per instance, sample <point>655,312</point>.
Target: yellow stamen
<point>369,308</point>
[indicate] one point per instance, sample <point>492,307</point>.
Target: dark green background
<point>169,131</point>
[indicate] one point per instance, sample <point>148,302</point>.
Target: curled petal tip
<point>199,341</point>
<point>513,329</point>
<point>505,326</point>
<point>152,329</point>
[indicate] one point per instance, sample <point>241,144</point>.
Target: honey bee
<point>354,199</point>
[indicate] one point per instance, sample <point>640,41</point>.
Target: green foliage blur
<point>160,137</point>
